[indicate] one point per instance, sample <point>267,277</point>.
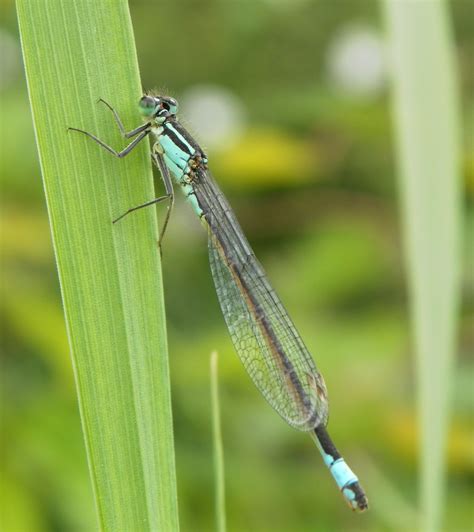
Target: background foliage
<point>309,165</point>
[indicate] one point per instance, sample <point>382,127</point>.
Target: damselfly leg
<point>146,204</point>
<point>139,133</point>
<point>158,161</point>
<point>143,133</point>
<point>118,121</point>
<point>165,176</point>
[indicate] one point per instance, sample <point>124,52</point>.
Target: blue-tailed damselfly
<point>263,334</point>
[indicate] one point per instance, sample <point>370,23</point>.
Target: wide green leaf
<point>75,53</point>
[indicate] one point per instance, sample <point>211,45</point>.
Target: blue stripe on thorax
<point>179,157</point>
<point>180,137</point>
<point>177,151</point>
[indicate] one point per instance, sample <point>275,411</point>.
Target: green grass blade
<point>427,119</point>
<point>219,479</point>
<point>74,53</point>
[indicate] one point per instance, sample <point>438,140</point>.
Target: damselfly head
<point>158,106</point>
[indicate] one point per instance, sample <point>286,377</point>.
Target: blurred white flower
<point>356,61</point>
<point>215,112</point>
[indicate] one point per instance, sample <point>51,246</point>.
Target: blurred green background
<point>291,101</point>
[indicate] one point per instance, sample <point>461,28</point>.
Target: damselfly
<point>263,334</point>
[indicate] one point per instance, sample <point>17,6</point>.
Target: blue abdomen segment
<point>345,479</point>
<point>342,473</point>
<point>188,191</point>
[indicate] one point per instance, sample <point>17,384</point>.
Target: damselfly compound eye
<point>147,105</point>
<point>173,106</point>
<point>170,105</point>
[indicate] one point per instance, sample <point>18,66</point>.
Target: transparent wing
<point>262,332</point>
